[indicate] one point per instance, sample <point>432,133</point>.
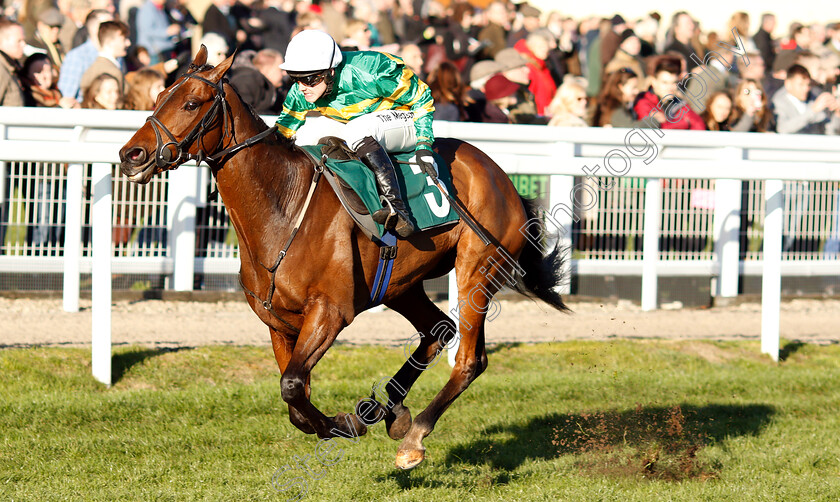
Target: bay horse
<point>306,297</point>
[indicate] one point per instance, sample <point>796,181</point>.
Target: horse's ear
<point>201,57</point>
<point>219,71</point>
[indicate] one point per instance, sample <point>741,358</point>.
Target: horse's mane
<point>278,139</point>
<point>281,140</point>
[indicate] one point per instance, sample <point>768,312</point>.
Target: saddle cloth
<point>427,207</point>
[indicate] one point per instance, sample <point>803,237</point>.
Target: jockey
<point>384,106</point>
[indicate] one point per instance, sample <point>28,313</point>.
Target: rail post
<point>561,189</point>
<point>181,210</point>
<point>452,308</point>
<point>650,253</point>
<point>726,226</point>
<point>101,274</point>
<point>771,278</point>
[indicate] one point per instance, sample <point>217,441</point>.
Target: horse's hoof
<point>409,459</point>
<point>398,427</point>
<point>349,424</point>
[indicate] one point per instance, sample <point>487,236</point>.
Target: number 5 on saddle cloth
<point>355,185</point>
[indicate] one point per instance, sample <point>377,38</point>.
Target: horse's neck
<point>263,188</point>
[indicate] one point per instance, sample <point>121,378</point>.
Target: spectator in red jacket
<point>666,111</point>
<point>535,48</point>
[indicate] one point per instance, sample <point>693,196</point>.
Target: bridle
<point>172,153</point>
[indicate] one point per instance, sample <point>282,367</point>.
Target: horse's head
<point>189,122</point>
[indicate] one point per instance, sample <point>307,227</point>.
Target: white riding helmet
<point>311,51</point>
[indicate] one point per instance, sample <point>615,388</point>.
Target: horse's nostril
<point>136,155</point>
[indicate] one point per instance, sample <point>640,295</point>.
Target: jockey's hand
<point>426,161</point>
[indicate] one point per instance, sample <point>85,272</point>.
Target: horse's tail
<point>542,274</point>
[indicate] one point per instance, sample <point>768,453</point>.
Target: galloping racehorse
<point>307,296</point>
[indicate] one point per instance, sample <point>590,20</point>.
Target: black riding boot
<point>393,216</point>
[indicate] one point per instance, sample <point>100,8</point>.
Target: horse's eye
<point>190,106</point>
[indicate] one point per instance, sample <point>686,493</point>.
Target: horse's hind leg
<point>470,362</point>
<point>436,330</point>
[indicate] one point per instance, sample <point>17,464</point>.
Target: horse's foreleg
<point>436,330</point>
<point>321,325</point>
<point>283,345</point>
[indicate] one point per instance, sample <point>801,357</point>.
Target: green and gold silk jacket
<point>365,82</point>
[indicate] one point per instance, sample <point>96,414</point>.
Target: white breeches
<point>393,129</point>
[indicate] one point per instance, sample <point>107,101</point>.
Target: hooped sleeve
<point>405,89</point>
<point>294,113</point>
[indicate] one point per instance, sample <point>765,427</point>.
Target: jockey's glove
<point>426,161</point>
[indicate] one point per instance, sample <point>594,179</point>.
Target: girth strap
<point>387,254</point>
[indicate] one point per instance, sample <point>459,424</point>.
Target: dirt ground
<point>157,323</point>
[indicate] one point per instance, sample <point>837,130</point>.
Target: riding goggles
<point>310,79</point>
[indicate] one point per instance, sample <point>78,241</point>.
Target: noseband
<point>172,153</point>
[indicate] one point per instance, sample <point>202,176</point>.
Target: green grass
<point>625,421</point>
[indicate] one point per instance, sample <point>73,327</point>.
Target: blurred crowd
<point>503,62</point>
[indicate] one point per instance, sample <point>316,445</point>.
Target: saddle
<point>355,186</point>
<point>335,148</point>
